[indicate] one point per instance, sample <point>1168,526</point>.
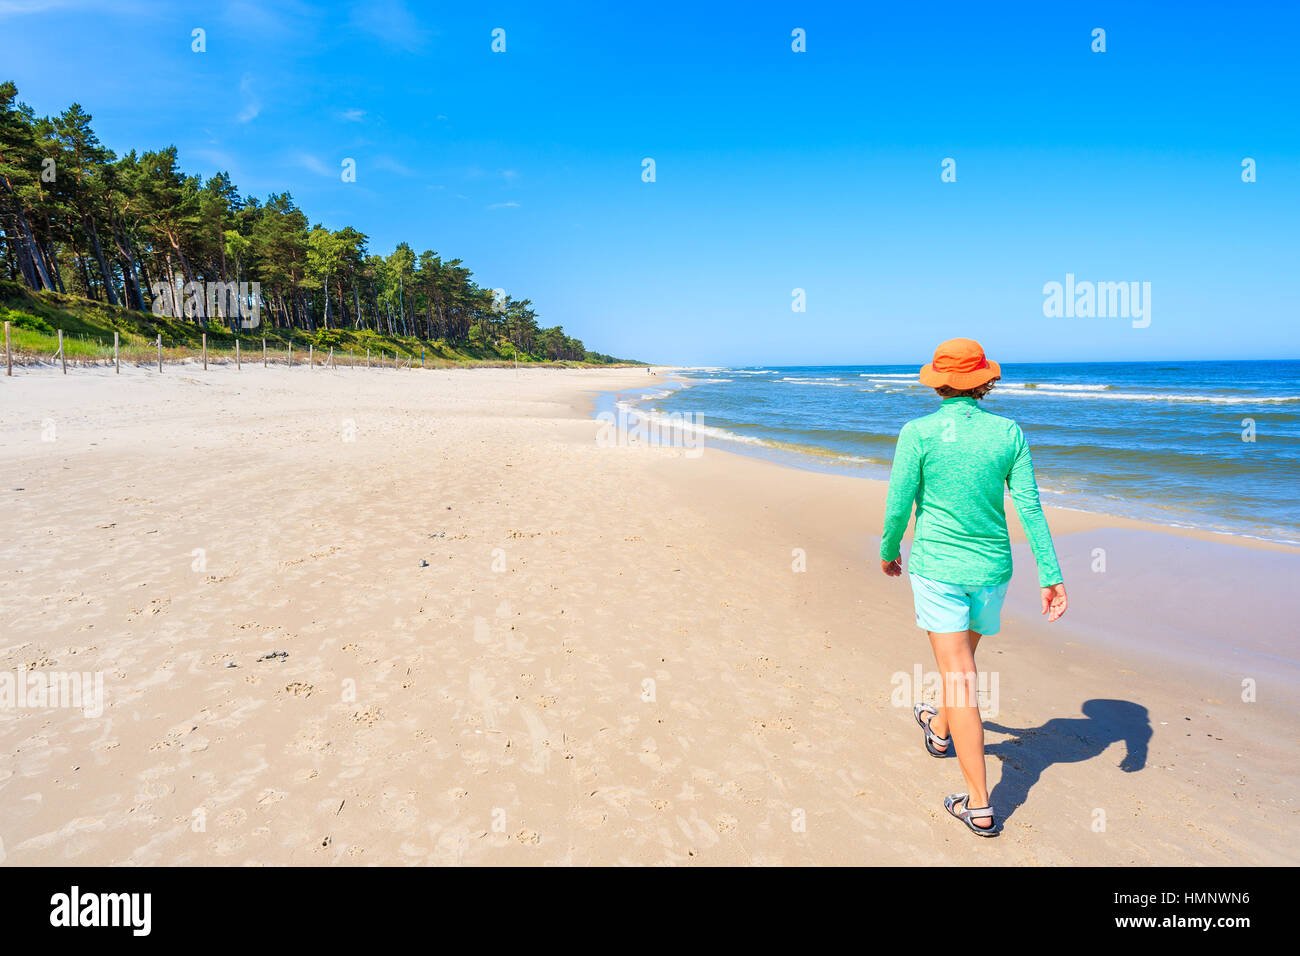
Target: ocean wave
<point>1064,388</point>
<point>886,375</point>
<point>741,371</point>
<point>1162,463</point>
<point>833,382</point>
<point>1165,397</point>
<point>680,423</point>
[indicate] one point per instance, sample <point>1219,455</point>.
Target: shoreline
<point>765,450</point>
<point>1159,542</point>
<point>628,655</point>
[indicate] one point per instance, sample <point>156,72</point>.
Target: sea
<point>1212,445</point>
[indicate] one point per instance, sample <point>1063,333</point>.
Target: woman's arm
<point>1024,492</point>
<point>904,480</point>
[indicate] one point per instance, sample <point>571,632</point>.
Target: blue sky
<point>775,170</point>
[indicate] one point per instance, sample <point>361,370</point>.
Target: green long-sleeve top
<point>953,465</point>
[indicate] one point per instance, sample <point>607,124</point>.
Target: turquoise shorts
<point>950,608</point>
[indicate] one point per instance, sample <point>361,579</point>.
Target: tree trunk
<point>52,262</point>
<point>28,240</point>
<point>85,275</point>
<point>174,240</point>
<point>104,271</point>
<point>126,259</point>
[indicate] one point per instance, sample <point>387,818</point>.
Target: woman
<point>954,465</point>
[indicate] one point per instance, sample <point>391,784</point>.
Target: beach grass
<point>36,318</point>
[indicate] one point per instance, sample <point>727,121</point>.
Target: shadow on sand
<point>1031,750</point>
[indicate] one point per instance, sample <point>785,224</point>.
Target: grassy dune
<point>35,319</point>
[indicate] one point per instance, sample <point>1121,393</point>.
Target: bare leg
<point>939,724</point>
<point>959,714</point>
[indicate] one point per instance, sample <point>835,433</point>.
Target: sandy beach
<point>507,642</point>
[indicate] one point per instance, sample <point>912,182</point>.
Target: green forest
<point>130,232</point>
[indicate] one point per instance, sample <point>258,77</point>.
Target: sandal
<point>931,738</point>
<point>971,813</point>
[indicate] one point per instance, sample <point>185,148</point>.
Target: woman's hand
<point>1054,601</point>
<point>892,568</point>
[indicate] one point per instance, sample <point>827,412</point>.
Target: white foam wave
<point>1165,397</point>
<point>680,422</point>
<point>1045,385</point>
<point>831,382</point>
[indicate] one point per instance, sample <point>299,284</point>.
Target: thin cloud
<point>388,164</point>
<point>287,18</point>
<point>504,205</point>
<point>252,105</point>
<point>312,163</point>
<point>392,22</point>
<point>352,116</point>
<point>23,8</point>
<point>478,172</point>
<point>216,158</point>
<point>20,8</point>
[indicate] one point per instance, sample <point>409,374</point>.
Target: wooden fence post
<point>236,355</point>
<point>264,351</point>
<point>311,355</point>
<point>291,354</point>
<point>205,351</point>
<point>63,355</point>
<point>160,352</point>
<point>367,358</point>
<point>117,358</point>
<point>9,356</point>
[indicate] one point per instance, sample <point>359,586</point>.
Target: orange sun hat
<point>960,364</point>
